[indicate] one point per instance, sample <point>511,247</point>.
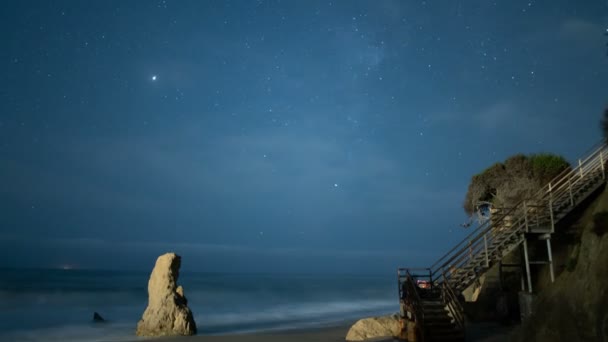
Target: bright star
<point>154,78</point>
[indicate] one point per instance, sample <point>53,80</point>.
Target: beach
<point>334,334</point>
<point>476,332</point>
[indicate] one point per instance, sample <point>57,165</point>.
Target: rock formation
<point>167,313</point>
<point>367,328</point>
<point>97,318</point>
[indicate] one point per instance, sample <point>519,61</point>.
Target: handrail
<point>453,303</point>
<point>416,301</point>
<point>468,243</point>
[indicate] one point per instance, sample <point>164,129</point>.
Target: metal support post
<point>551,209</point>
<point>526,217</point>
<point>550,260</point>
<point>580,167</point>
<point>521,270</point>
<point>527,261</point>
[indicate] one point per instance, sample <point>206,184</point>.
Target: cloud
<point>96,253</point>
<point>582,30</point>
<point>277,166</point>
<point>497,114</point>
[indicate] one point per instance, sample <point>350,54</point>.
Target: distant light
<point>335,185</point>
<point>154,78</point>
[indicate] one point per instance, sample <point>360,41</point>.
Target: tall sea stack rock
<point>167,313</point>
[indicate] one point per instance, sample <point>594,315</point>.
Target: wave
<point>62,305</point>
<point>293,316</point>
<point>74,333</point>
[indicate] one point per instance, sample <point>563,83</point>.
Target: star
<point>153,77</point>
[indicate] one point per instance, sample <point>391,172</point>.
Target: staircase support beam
<point>527,265</point>
<point>526,217</point>
<point>551,209</point>
<point>550,255</point>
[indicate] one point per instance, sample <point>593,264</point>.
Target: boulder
<point>167,313</point>
<point>97,318</point>
<point>367,328</point>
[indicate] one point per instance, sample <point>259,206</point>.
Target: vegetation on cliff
<point>517,178</point>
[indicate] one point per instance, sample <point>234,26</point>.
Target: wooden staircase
<point>437,310</point>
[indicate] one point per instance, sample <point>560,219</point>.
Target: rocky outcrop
<point>167,313</point>
<point>367,328</point>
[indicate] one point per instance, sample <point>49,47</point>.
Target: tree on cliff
<point>503,185</point>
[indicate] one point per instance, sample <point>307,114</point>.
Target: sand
<point>336,334</point>
<point>476,332</point>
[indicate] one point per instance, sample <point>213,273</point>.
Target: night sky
<point>288,136</point>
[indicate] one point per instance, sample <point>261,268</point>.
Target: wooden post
<point>550,260</point>
<point>527,261</point>
<point>411,331</point>
<point>580,167</point>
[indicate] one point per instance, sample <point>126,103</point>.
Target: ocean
<point>58,305</point>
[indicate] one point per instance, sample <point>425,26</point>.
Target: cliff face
<point>575,307</point>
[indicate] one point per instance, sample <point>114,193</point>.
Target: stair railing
<point>414,298</point>
<point>479,241</point>
<point>481,249</point>
<point>451,300</point>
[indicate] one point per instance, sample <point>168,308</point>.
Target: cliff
<point>575,306</point>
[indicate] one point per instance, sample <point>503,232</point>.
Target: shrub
<point>483,186</point>
<point>519,177</point>
<point>546,166</point>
